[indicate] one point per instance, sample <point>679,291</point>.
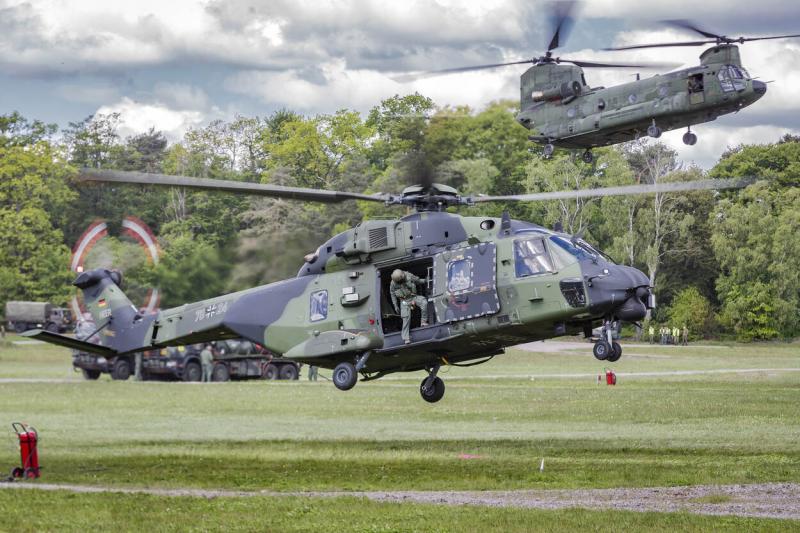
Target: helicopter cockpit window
<point>731,78</point>
<point>459,275</point>
<point>576,251</point>
<point>318,309</point>
<point>531,257</point>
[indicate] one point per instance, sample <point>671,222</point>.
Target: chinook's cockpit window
<point>531,257</point>
<point>732,78</point>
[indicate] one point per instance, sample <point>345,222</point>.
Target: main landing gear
<point>588,157</point>
<point>547,151</point>
<point>345,376</point>
<point>432,387</point>
<point>653,130</point>
<point>689,138</point>
<point>607,349</point>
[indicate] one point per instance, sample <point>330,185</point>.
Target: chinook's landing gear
<point>689,138</point>
<point>607,349</point>
<point>432,387</point>
<point>653,130</point>
<point>547,151</point>
<point>588,157</point>
<point>345,376</point>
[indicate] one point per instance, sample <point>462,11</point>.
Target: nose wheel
<point>689,138</point>
<point>547,151</point>
<point>588,157</point>
<point>607,349</point>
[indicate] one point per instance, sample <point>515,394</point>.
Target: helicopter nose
<point>760,88</point>
<point>618,291</point>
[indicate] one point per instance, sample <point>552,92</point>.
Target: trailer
<point>233,360</point>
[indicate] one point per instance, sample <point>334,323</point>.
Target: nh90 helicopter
<point>563,110</point>
<point>491,283</point>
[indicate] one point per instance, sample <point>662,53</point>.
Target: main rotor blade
<point>627,190</point>
<point>404,78</point>
<point>239,187</point>
<point>745,39</point>
<point>561,20</point>
<point>689,25</point>
<point>593,64</point>
<point>660,45</point>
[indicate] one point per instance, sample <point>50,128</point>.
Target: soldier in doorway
<point>404,298</point>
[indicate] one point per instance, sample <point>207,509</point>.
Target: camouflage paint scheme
<point>294,319</point>
<point>600,116</point>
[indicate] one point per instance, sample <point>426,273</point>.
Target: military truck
<point>22,316</point>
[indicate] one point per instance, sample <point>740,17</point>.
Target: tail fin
<point>120,325</point>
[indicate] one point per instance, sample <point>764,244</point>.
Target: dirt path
<point>766,500</point>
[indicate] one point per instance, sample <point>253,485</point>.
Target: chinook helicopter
<point>558,104</point>
<point>490,283</point>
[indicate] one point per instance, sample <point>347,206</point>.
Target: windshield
<point>579,248</point>
<point>576,251</point>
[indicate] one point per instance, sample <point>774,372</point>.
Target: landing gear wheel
<point>588,157</point>
<point>654,131</point>
<point>271,372</point>
<point>90,374</point>
<point>616,352</point>
<point>121,370</point>
<point>289,372</point>
<point>220,373</point>
<point>20,328</point>
<point>192,372</point>
<point>52,327</point>
<point>548,150</point>
<point>345,376</point>
<point>434,392</point>
<point>689,138</point>
<point>602,350</point>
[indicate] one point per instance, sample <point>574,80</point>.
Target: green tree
<point>755,241</point>
<point>691,309</point>
<point>33,196</point>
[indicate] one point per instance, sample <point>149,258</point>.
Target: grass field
<point>491,431</point>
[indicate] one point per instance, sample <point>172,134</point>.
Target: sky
<point>179,64</point>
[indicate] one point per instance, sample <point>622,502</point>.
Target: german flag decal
<point>101,302</point>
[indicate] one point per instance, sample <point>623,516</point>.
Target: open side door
<point>465,283</point>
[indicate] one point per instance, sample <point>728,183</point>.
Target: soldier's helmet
<point>398,275</point>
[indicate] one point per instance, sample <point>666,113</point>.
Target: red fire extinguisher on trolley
<point>28,451</point>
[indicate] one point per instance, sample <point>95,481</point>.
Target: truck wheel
<point>271,372</point>
<point>20,327</point>
<point>289,372</point>
<point>90,374</point>
<point>52,327</point>
<point>121,370</point>
<point>192,372</point>
<point>220,373</point>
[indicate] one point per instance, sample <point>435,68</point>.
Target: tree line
<point>723,263</point>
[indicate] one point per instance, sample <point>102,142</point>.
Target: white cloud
<point>137,117</point>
